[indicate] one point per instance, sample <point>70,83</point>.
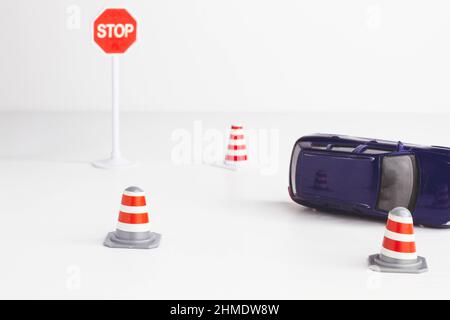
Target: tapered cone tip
<point>401,212</point>
<point>134,189</point>
<point>398,252</point>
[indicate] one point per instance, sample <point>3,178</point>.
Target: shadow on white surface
<point>306,212</point>
<point>220,165</point>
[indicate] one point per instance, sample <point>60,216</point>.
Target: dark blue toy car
<point>370,177</point>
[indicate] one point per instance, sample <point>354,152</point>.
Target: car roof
<point>321,140</point>
<point>333,138</point>
<point>348,144</point>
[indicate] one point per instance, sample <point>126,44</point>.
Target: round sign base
<point>113,163</point>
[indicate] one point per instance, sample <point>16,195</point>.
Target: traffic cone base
<point>133,227</point>
<point>149,240</point>
<point>398,252</point>
<point>378,262</point>
<point>234,164</point>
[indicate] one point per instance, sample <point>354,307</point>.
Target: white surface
<point>226,234</point>
<point>252,55</point>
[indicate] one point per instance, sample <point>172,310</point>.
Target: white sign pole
<point>116,160</point>
<point>115,107</point>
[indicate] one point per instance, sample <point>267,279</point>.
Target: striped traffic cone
<point>237,150</point>
<point>398,253</point>
<point>133,227</point>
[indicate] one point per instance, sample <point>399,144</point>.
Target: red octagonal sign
<point>115,30</point>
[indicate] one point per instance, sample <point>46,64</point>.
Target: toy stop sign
<point>115,30</point>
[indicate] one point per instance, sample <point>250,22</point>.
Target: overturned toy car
<point>371,177</point>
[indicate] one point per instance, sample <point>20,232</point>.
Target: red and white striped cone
<point>236,153</point>
<point>133,227</point>
<point>398,253</point>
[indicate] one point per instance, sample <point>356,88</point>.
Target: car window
<point>294,164</point>
<point>376,151</point>
<point>317,146</point>
<point>342,148</point>
<point>398,182</point>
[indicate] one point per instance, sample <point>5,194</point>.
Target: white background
<point>245,55</point>
<point>377,69</point>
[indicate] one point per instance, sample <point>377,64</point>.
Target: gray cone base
<point>376,264</point>
<point>234,165</point>
<point>230,163</point>
<point>112,241</point>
